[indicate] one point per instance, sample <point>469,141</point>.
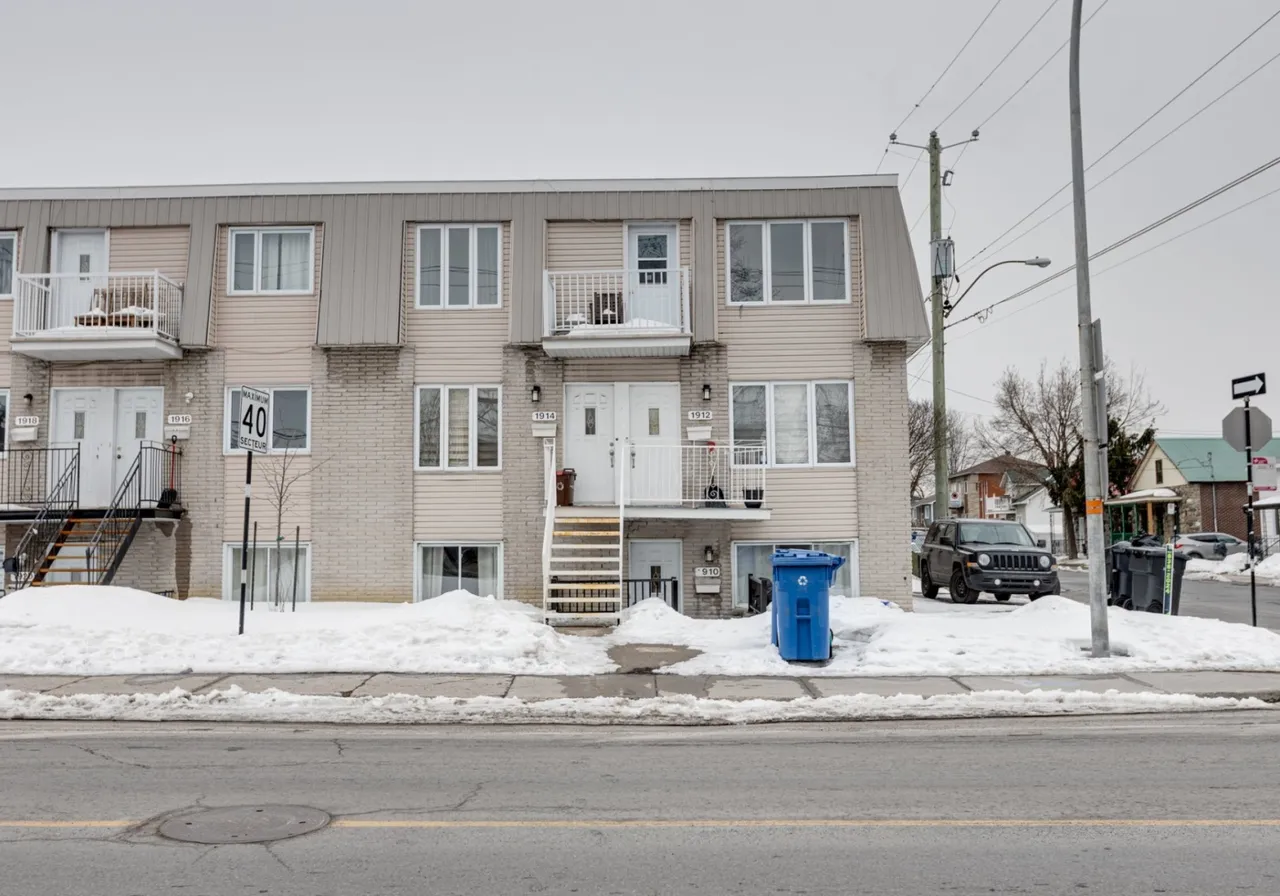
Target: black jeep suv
<point>997,556</point>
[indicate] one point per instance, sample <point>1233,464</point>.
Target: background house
<point>980,491</point>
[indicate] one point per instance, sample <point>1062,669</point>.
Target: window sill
<point>798,304</point>
<point>272,293</point>
<point>497,307</point>
<point>279,452</point>
<point>448,470</point>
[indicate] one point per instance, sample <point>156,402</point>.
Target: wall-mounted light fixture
<point>709,554</point>
<point>187,398</point>
<point>535,394</point>
<point>706,391</point>
<point>28,398</point>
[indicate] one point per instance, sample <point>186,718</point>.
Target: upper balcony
<point>129,316</point>
<point>617,313</point>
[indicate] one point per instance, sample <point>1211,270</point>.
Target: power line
<point>1134,257</point>
<point>938,80</point>
<point>1003,59</point>
<point>1133,236</point>
<point>982,253</point>
<point>1043,66</point>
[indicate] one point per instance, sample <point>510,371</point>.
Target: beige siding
<point>118,374</point>
<point>267,474</point>
<point>622,370</point>
<point>457,508</point>
<point>455,346</point>
<point>686,243</point>
<point>1145,478</point>
<point>585,246</point>
<point>808,505</point>
<point>268,339</point>
<point>6,330</point>
<point>162,249</point>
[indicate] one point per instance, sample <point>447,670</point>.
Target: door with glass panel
<point>654,288</point>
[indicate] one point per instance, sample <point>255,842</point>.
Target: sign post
<point>1256,433</point>
<point>255,425</point>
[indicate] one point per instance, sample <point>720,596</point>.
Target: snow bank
<point>1267,571</point>
<point>96,630</point>
<point>236,705</point>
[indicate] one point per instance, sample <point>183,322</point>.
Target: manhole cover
<point>244,824</point>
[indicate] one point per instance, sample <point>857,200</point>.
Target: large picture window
<point>787,262</point>
<point>797,424</point>
<point>272,572</point>
<point>476,568</point>
<point>290,419</point>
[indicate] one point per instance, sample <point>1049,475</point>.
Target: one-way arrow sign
<point>1248,386</point>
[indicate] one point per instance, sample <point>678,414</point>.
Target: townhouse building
<point>721,363</point>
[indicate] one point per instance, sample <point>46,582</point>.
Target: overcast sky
<point>261,90</point>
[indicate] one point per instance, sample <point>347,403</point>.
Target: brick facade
<point>883,471</point>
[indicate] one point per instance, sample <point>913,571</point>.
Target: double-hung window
<point>787,262</point>
<point>459,266</point>
<point>792,424</point>
<point>452,567</point>
<point>459,428</point>
<point>271,260</point>
<point>290,420</point>
<point>8,262</point>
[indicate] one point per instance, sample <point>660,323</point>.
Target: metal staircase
<point>91,544</point>
<point>581,560</point>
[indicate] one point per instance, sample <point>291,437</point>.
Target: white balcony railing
<point>75,305</point>
<point>697,474</point>
<point>1000,504</point>
<point>616,303</point>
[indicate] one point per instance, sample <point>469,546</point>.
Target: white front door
<point>85,418</point>
<point>653,259</point>
<point>109,426</point>
<point>589,448</point>
<point>654,431</point>
<point>82,254</point>
<point>652,567</point>
<point>138,420</point>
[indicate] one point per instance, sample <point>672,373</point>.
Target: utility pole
<point>1093,484</point>
<point>942,268</point>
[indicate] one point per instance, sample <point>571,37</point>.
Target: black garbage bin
<point>1120,578</point>
<point>1147,565</point>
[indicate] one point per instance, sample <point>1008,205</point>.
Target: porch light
<point>535,394</point>
<point>706,391</point>
<point>709,554</point>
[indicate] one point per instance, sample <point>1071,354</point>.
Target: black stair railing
<point>27,475</point>
<point>58,504</point>
<point>151,483</point>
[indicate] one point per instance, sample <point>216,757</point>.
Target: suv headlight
<point>1045,562</point>
<point>984,559</point>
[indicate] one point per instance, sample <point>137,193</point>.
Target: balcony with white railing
<point>620,313</point>
<point>700,479</point>
<point>97,317</point>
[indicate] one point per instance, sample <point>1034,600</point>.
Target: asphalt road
<point>1186,804</point>
<point>1213,600</point>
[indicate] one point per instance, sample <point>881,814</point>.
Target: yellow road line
<point>405,823</point>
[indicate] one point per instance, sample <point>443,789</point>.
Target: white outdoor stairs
<point>583,583</point>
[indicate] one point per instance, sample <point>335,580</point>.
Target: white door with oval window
<point>589,448</point>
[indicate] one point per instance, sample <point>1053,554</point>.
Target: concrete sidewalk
<point>1262,685</point>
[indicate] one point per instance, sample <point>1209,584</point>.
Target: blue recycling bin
<point>802,604</point>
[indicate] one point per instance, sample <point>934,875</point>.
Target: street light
<point>1038,262</point>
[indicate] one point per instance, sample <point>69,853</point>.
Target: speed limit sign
<point>255,419</point>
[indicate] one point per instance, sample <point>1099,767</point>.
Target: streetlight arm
<point>1037,262</point>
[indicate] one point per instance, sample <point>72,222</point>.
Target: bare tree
<point>920,441</point>
<point>1040,421</point>
<point>281,474</point>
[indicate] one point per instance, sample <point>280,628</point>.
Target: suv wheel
<point>927,586</point>
<point>961,593</point>
<point>1195,555</point>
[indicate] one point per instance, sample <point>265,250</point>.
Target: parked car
<point>971,556</point>
<point>1208,545</point>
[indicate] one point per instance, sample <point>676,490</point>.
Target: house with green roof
<point>1206,477</point>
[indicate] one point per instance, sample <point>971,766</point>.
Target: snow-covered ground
<point>236,705</point>
<point>89,630</point>
<point>1267,571</point>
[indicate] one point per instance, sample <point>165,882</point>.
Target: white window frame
<point>767,262</point>
<point>473,279</point>
<point>771,428</point>
<point>257,261</point>
<point>13,274</point>
<point>270,390</point>
<point>231,571</point>
<point>472,429</point>
<point>8,426</point>
<point>417,563</point>
<point>800,544</point>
